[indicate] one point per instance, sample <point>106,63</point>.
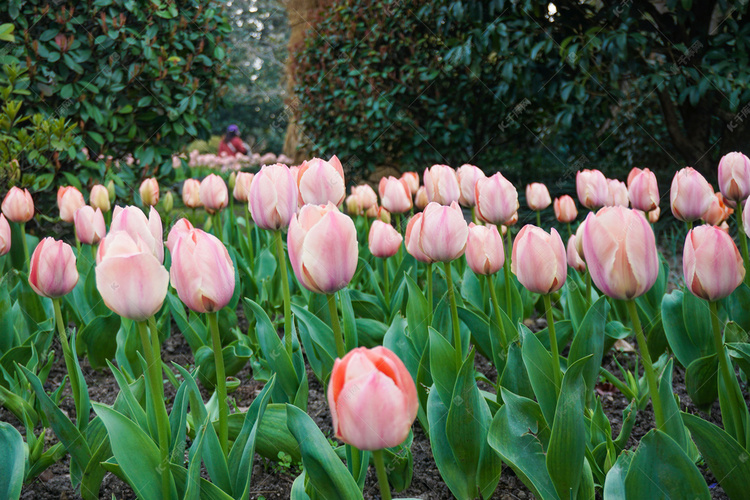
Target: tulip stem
<point>496,307</point>
<point>385,489</point>
<point>397,220</point>
<point>454,314</point>
<point>25,246</point>
<point>69,361</point>
<point>588,287</point>
<point>281,256</point>
<point>154,379</point>
<point>473,215</point>
<point>250,237</point>
<point>221,381</point>
<point>429,293</point>
<point>538,218</point>
<point>726,374</point>
<point>337,336</point>
<point>553,340</point>
<point>570,231</point>
<point>367,227</point>
<point>506,271</point>
<point>648,366</point>
<point>218,229</point>
<point>386,285</point>
<point>743,241</point>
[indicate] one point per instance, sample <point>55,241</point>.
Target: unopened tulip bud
<point>366,196</point>
<point>412,238</point>
<point>485,253</point>
<point>232,180</point>
<point>565,209</point>
<point>574,259</point>
<point>618,194</point>
<point>539,260</point>
<point>383,215</point>
<point>4,235</point>
<point>690,195</point>
<point>18,205</point>
<point>468,175</point>
<point>69,199</point>
<point>273,197</point>
<point>592,188</point>
<point>412,180</point>
<point>180,228</point>
<point>717,211</point>
<point>90,227</point>
<point>537,196</point>
<point>643,191</point>
<point>214,194</point>
<point>168,202</point>
<point>241,187</point>
<point>711,263</point>
<point>441,184</point>
<point>352,204</point>
<point>444,232</point>
<point>149,192</point>
<point>52,271</point>
<point>394,195</point>
<point>632,175</point>
<point>111,191</point>
<point>420,200</point>
<point>191,193</point>
<point>383,240</point>
<point>734,177</point>
<point>99,198</point>
<point>320,182</point>
<point>497,200</point>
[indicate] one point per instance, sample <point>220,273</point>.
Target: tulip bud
<point>444,232</point>
<point>202,271</point>
<point>90,227</point>
<point>485,253</point>
<point>653,215</point>
<point>149,191</point>
<point>384,241</point>
<point>717,211</point>
<point>373,399</point>
<point>394,195</point>
<point>273,197</point>
<point>711,263</point>
<point>441,184</point>
<point>412,180</point>
<point>366,196</point>
<point>574,259</point>
<point>497,200</point>
<point>99,198</point>
<point>323,248</point>
<point>468,175</point>
<point>565,209</point>
<point>191,193</point>
<point>111,191</point>
<point>320,181</point>
<point>18,205</point>
<point>133,221</point>
<point>734,177</point>
<point>592,188</point>
<point>690,195</point>
<point>69,199</point>
<point>168,202</point>
<point>537,196</point>
<point>539,260</point>
<point>412,237</point>
<point>241,188</point>
<point>180,228</point>
<point>618,194</point>
<point>643,191</point>
<point>232,182</point>
<point>632,175</point>
<point>620,252</point>
<point>352,205</point>
<point>579,239</point>
<point>383,215</point>
<point>4,235</point>
<point>213,194</point>
<point>420,200</point>
<point>52,270</point>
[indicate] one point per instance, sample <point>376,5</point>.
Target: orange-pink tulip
<point>444,232</point>
<point>373,399</point>
<point>191,193</point>
<point>214,194</point>
<point>717,211</point>
<point>52,271</point>
<point>420,200</point>
<point>574,258</point>
<point>320,182</point>
<point>643,191</point>
<point>18,205</point>
<point>497,200</point>
<point>441,184</point>
<point>180,228</point>
<point>133,221</point>
<point>618,194</point>
<point>395,195</point>
<point>653,215</point>
<point>539,260</point>
<point>384,241</point>
<point>711,263</point>
<point>90,227</point>
<point>537,196</point>
<point>620,252</point>
<point>69,199</point>
<point>565,209</point>
<point>149,192</point>
<point>242,183</point>
<point>412,180</point>
<point>273,197</point>
<point>468,175</point>
<point>323,248</point>
<point>4,235</point>
<point>690,195</point>
<point>592,188</point>
<point>485,253</point>
<point>99,198</point>
<point>734,177</point>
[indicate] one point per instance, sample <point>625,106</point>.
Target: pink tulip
<point>711,263</point>
<point>632,175</point>
<point>4,235</point>
<point>539,260</point>
<point>382,214</point>
<point>191,193</point>
<point>468,175</point>
<point>353,206</point>
<point>133,221</point>
<point>717,211</point>
<point>18,205</point>
<point>690,195</point>
<point>643,191</point>
<point>366,196</point>
<point>131,280</point>
<point>99,198</point>
<point>618,194</point>
<point>444,232</point>
<point>574,259</point>
<point>412,180</point>
<point>90,227</point>
<point>592,188</point>
<point>485,253</point>
<point>273,197</point>
<point>180,228</point>
<point>323,248</point>
<point>373,399</point>
<point>242,183</point>
<point>69,199</point>
<point>497,200</point>
<point>412,237</point>
<point>384,240</point>
<point>441,184</point>
<point>537,196</point>
<point>653,215</point>
<point>52,271</point>
<point>565,209</point>
<point>579,239</point>
<point>320,181</point>
<point>394,195</point>
<point>420,200</point>
<point>214,194</point>
<point>202,271</point>
<point>734,177</point>
<point>620,252</point>
<point>149,192</point>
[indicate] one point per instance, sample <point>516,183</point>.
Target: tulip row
<point>388,350</point>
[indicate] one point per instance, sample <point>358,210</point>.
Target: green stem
<point>473,215</point>
<point>386,284</point>
<point>496,307</point>
<point>385,489</point>
<point>588,287</point>
<point>689,224</point>
<point>219,230</point>
<point>78,247</point>
<point>249,235</point>
<point>400,254</point>
<point>553,341</point>
<point>337,336</point>
<point>506,271</point>
<point>355,464</point>
<point>70,365</point>
<point>25,246</point>
<point>538,218</point>
<point>570,231</point>
<point>281,257</point>
<point>743,241</point>
<point>648,366</point>
<point>454,314</point>
<point>726,374</point>
<point>429,293</point>
<point>154,367</point>
<point>367,228</point>
<point>221,382</point>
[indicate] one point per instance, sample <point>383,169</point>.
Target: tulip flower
<point>273,197</point>
<point>643,191</point>
<point>653,215</point>
<point>320,182</point>
<point>383,240</point>
<point>366,196</point>
<point>180,228</point>
<point>111,191</point>
<point>468,175</point>
<point>352,204</point>
<point>441,184</point>
<point>90,227</point>
<point>592,188</point>
<point>632,175</point>
<point>168,202</point>
<point>18,206</point>
<point>690,195</point>
<point>537,196</point>
<point>444,232</point>
<point>213,194</point>
<point>420,199</point>
<point>412,180</point>
<point>4,235</point>
<point>734,178</point>
<point>565,209</point>
<point>412,238</point>
<point>497,200</point>
<point>191,193</point>
<point>617,194</point>
<point>133,221</point>
<point>242,183</point>
<point>149,192</point>
<point>53,270</point>
<point>711,263</point>
<point>394,195</point>
<point>574,259</point>
<point>99,198</point>
<point>69,199</point>
<point>379,213</point>
<point>485,255</point>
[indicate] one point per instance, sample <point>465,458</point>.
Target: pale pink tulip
<point>441,184</point>
<point>99,198</point>
<point>539,260</point>
<point>565,209</point>
<point>734,177</point>
<point>69,199</point>
<point>149,192</point>
<point>384,241</point>
<point>690,195</point>
<point>485,253</point>
<point>592,188</point>
<point>133,221</point>
<point>420,200</point>
<point>394,195</point>
<point>18,205</point>
<point>373,399</point>
<point>632,175</point>
<point>444,232</point>
<point>191,193</point>
<point>180,228</point>
<point>643,191</point>
<point>320,182</point>
<point>273,197</point>
<point>711,263</point>
<point>52,271</point>
<point>412,180</point>
<point>468,175</point>
<point>90,227</point>
<point>366,196</point>
<point>574,259</point>
<point>497,200</point>
<point>4,235</point>
<point>537,196</point>
<point>618,194</point>
<point>718,212</point>
<point>242,183</point>
<point>214,194</point>
<point>323,248</point>
<point>412,236</point>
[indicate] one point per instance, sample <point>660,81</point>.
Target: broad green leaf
<point>701,383</point>
<point>540,367</point>
<point>12,461</point>
<point>589,339</point>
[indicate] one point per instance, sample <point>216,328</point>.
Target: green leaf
<point>701,381</point>
<point>100,338</point>
<point>672,423</point>
<point>12,461</point>
<point>687,326</point>
<point>540,367</point>
<point>589,339</point>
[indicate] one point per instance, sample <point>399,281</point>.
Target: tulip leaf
<point>7,316</point>
<point>417,314</point>
<point>12,462</point>
<point>563,332</point>
<point>614,483</point>
<point>728,460</point>
<point>442,366</point>
<point>479,326</point>
<point>736,305</point>
<point>349,324</point>
<point>100,340</point>
<point>235,355</point>
<point>574,302</point>
<point>370,332</point>
<point>687,325</point>
<point>589,339</point>
<point>194,330</point>
<point>540,367</point>
<point>327,475</point>
<point>517,306</point>
<point>741,355</point>
<point>672,423</point>
<point>515,378</point>
<point>472,289</point>
<point>701,381</point>
<point>207,490</point>
<point>317,337</point>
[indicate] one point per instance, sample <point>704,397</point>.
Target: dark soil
<point>274,482</point>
